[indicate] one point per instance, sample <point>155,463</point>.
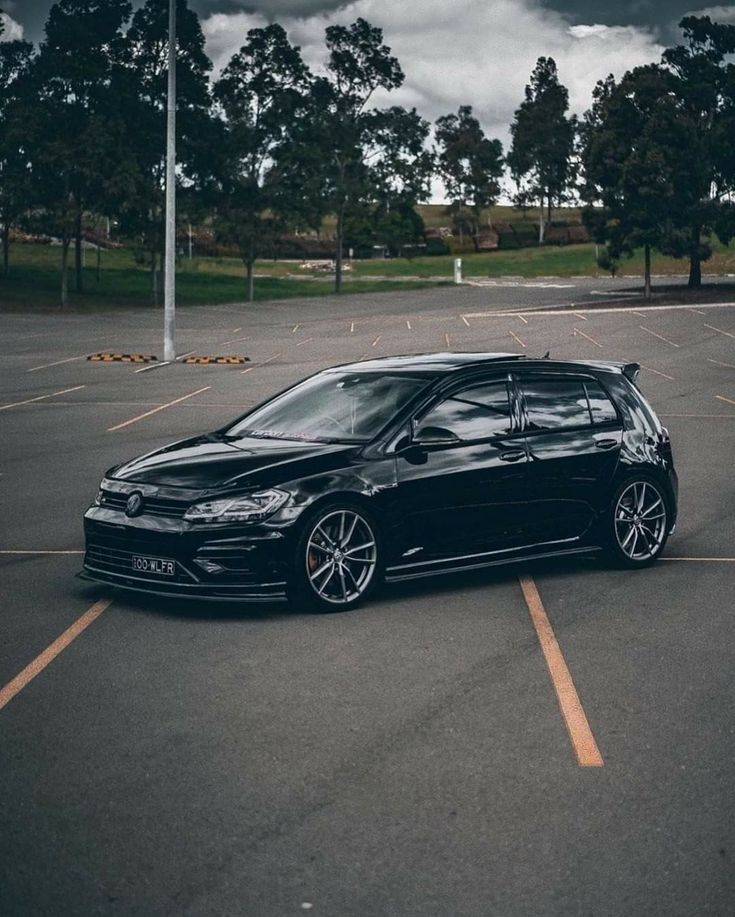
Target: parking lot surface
<point>556,738</point>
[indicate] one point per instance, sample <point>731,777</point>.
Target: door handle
<point>606,443</point>
<point>514,456</point>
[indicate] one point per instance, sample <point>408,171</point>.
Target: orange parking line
<point>583,742</point>
<point>161,407</point>
<point>15,685</point>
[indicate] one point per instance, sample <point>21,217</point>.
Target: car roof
<point>438,364</point>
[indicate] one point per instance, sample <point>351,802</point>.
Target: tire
<point>338,559</point>
<point>637,523</point>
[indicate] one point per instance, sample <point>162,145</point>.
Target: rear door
<point>573,434</point>
<point>464,495</point>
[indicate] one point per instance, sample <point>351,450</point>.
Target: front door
<point>461,482</point>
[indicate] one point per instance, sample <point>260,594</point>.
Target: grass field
<point>34,277</point>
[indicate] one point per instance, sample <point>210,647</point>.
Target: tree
<point>703,84</point>
<point>142,90</point>
<point>332,134</point>
<point>259,93</point>
<point>399,172</point>
<point>73,72</point>
<point>632,140</point>
<point>15,102</point>
<point>542,143</point>
<point>470,165</point>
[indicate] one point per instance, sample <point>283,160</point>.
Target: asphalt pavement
<point>410,757</point>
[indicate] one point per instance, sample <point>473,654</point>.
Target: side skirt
<point>455,565</point>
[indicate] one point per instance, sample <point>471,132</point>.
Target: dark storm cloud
<point>658,15</point>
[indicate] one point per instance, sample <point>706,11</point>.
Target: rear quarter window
<point>601,407</point>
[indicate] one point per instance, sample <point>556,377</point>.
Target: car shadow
<point>429,588</point>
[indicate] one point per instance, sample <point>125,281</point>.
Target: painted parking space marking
<point>447,340</point>
<point>35,369</point>
<point>657,372</point>
<point>34,668</point>
<point>560,309</point>
<point>376,340</point>
<point>578,727</point>
<point>589,337</point>
<point>703,560</point>
<point>270,359</point>
<point>719,330</point>
<point>725,399</point>
<point>517,339</point>
<point>720,363</point>
<point>524,320</point>
<point>579,315</point>
<point>35,553</point>
<point>464,319</point>
<point>17,404</point>
<point>657,335</point>
<point>161,407</point>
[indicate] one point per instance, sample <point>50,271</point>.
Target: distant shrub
<point>436,246</point>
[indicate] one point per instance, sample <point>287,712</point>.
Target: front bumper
<point>224,563</point>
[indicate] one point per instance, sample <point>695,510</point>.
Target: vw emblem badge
<point>134,506</point>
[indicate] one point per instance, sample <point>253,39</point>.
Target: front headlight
<point>251,508</point>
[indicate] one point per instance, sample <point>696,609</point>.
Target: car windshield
<point>333,407</point>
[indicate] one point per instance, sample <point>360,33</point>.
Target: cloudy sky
<point>453,52</point>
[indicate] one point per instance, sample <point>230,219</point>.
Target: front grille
<point>114,558</point>
<point>152,506</point>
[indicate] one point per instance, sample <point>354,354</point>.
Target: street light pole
<point>169,294</point>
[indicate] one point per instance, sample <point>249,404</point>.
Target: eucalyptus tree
<point>334,131</point>
<point>74,114</point>
<point>260,92</point>
<point>471,167</point>
<point>702,75</point>
<point>542,143</point>
<point>15,103</point>
<point>141,86</point>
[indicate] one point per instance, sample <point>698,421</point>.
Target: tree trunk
<point>65,242</point>
<point>338,253</point>
<point>78,251</point>
<point>154,278</point>
<point>695,262</point>
<point>249,265</point>
<point>541,223</point>
<point>6,247</point>
<point>647,272</point>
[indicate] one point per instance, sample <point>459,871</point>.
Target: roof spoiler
<point>631,371</point>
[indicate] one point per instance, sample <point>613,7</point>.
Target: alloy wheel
<point>341,557</point>
<point>640,521</point>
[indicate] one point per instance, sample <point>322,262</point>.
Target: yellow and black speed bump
<point>232,360</point>
<point>122,358</point>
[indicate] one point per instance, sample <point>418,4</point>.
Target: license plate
<point>154,565</point>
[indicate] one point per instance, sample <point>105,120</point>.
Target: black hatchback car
<point>392,469</point>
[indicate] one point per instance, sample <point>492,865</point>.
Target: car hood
<point>210,462</point>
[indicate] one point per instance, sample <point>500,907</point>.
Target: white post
<point>458,270</point>
<point>169,294</point>
<point>189,241</point>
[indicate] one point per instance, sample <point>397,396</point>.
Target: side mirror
<point>435,436</point>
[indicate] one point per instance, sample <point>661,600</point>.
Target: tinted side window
<point>555,403</point>
<point>602,408</point>
<point>473,413</point>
